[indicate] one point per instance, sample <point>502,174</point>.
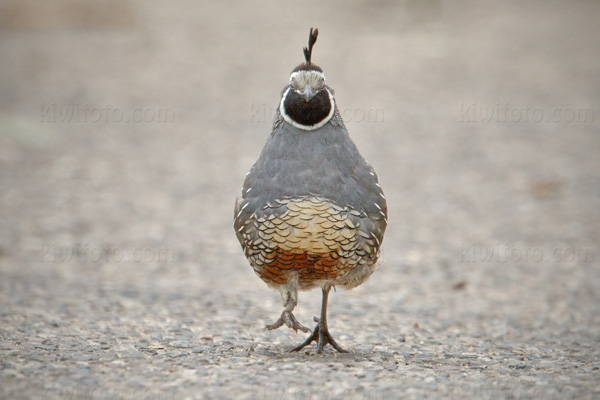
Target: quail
<point>311,213</point>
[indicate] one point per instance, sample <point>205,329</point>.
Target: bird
<point>311,212</point>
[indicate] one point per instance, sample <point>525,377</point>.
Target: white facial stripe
<point>306,127</point>
<point>295,75</point>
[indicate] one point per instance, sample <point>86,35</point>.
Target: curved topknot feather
<point>312,39</point>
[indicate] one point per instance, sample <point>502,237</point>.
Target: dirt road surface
<point>126,129</point>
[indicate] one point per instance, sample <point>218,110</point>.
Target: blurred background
<point>126,129</point>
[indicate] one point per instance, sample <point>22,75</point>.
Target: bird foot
<point>289,320</point>
<point>322,336</point>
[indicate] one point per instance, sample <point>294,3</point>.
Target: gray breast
<point>326,163</point>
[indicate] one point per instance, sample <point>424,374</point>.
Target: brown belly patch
<point>308,267</point>
<point>311,239</point>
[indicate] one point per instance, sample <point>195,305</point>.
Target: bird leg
<point>287,317</point>
<point>321,333</point>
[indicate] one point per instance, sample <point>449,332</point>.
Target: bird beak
<point>308,93</point>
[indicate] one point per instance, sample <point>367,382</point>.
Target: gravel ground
<point>126,129</point>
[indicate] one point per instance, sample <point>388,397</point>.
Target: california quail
<point>311,212</point>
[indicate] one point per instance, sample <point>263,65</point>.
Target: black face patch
<point>307,112</point>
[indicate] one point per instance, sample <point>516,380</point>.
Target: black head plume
<point>312,39</point>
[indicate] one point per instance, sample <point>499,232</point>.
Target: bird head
<point>307,102</point>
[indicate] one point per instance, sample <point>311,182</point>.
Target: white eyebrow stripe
<point>293,75</point>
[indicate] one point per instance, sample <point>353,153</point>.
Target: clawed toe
<point>289,320</point>
<point>321,333</point>
<point>322,336</point>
